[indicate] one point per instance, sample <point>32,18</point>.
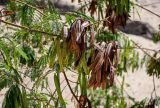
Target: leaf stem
<point>26,28</point>
<point>147,10</point>
<point>139,47</point>
<point>65,76</point>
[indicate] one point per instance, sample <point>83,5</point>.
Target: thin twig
<point>52,94</point>
<point>154,89</point>
<point>70,87</point>
<point>5,15</point>
<point>25,86</point>
<point>73,81</point>
<point>124,90</point>
<point>143,50</point>
<point>41,76</point>
<point>64,88</point>
<point>138,46</point>
<point>147,10</point>
<point>71,70</point>
<point>26,28</point>
<point>132,3</point>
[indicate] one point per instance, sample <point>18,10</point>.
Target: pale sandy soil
<point>140,84</point>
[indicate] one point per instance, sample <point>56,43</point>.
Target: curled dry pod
<point>92,7</point>
<point>76,38</point>
<point>115,19</point>
<point>102,65</point>
<point>91,38</point>
<point>84,102</point>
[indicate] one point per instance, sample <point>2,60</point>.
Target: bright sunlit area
<point>79,53</point>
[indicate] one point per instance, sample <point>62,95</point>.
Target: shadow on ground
<point>138,28</point>
<point>64,8</point>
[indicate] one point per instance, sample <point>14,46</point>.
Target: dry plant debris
<point>76,38</point>
<point>103,65</point>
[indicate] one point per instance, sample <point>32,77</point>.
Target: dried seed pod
<point>102,65</point>
<point>76,38</point>
<point>84,102</point>
<point>114,19</point>
<point>92,7</point>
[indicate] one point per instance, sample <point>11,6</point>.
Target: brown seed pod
<point>84,102</point>
<point>76,38</point>
<point>114,19</point>
<point>102,65</point>
<point>92,7</point>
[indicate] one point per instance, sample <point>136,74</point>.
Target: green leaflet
<point>100,4</point>
<point>12,6</point>
<point>51,7</point>
<point>85,16</point>
<point>5,53</point>
<point>133,61</point>
<point>29,52</point>
<point>59,54</point>
<point>156,37</point>
<point>42,62</point>
<point>58,89</point>
<point>62,54</point>
<point>153,66</point>
<point>128,56</point>
<point>22,53</point>
<point>83,71</point>
<point>27,14</point>
<point>83,83</point>
<point>84,65</point>
<point>38,70</point>
<point>3,83</point>
<point>127,5</point>
<point>69,19</point>
<point>25,103</point>
<point>106,36</point>
<point>65,54</point>
<point>16,63</point>
<point>123,8</point>
<point>13,98</point>
<point>143,60</point>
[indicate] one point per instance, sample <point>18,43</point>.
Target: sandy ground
<point>140,84</point>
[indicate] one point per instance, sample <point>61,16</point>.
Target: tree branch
<point>65,76</point>
<point>154,87</point>
<point>26,28</point>
<point>139,47</point>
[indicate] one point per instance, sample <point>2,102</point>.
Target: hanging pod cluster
<point>117,16</point>
<point>83,100</point>
<point>103,65</point>
<point>102,62</point>
<point>116,11</point>
<point>76,38</point>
